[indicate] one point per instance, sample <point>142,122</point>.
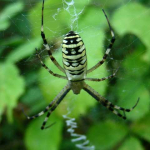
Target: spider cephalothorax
<point>75,68</point>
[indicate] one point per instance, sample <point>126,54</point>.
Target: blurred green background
<point>24,83</point>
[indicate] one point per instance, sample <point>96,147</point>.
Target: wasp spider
<point>75,68</point>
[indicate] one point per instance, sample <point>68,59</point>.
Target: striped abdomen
<point>74,56</point>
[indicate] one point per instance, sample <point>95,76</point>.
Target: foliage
<point>24,83</point>
<point>10,91</point>
<point>9,12</point>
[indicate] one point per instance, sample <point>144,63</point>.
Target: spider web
<point>69,7</point>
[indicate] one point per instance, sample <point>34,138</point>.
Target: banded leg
<point>106,103</point>
<point>59,96</point>
<point>59,99</point>
<point>107,50</point>
<point>46,44</point>
<point>102,79</point>
<point>40,113</point>
<point>51,72</point>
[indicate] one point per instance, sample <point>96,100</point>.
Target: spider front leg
<point>46,44</point>
<point>102,79</point>
<point>107,50</point>
<point>106,103</point>
<point>51,72</point>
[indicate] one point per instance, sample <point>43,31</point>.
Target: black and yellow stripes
<point>58,99</point>
<point>51,107</point>
<point>107,103</point>
<point>51,72</point>
<point>42,112</point>
<point>74,56</point>
<point>107,50</point>
<point>102,79</point>
<point>75,67</point>
<point>46,44</point>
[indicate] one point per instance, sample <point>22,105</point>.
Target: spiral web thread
<point>76,138</point>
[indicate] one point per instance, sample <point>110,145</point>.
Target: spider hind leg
<point>107,103</point>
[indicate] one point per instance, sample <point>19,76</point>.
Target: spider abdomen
<point>74,56</point>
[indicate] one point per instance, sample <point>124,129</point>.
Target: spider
<point>75,68</point>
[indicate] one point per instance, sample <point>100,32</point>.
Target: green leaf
<point>24,50</point>
<point>130,86</point>
<point>128,92</point>
<point>9,12</point>
<point>11,42</point>
<point>133,18</point>
<point>82,3</point>
<point>37,139</point>
<point>142,127</point>
<point>105,4</point>
<point>97,21</point>
<point>34,99</point>
<point>4,25</point>
<point>11,88</point>
<point>106,135</point>
<point>131,143</point>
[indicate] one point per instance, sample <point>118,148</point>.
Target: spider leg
<point>41,113</point>
<point>102,79</point>
<point>106,103</point>
<point>108,49</point>
<point>59,98</point>
<point>46,44</point>
<point>51,72</point>
<point>116,112</point>
<point>56,100</point>
<point>109,104</point>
